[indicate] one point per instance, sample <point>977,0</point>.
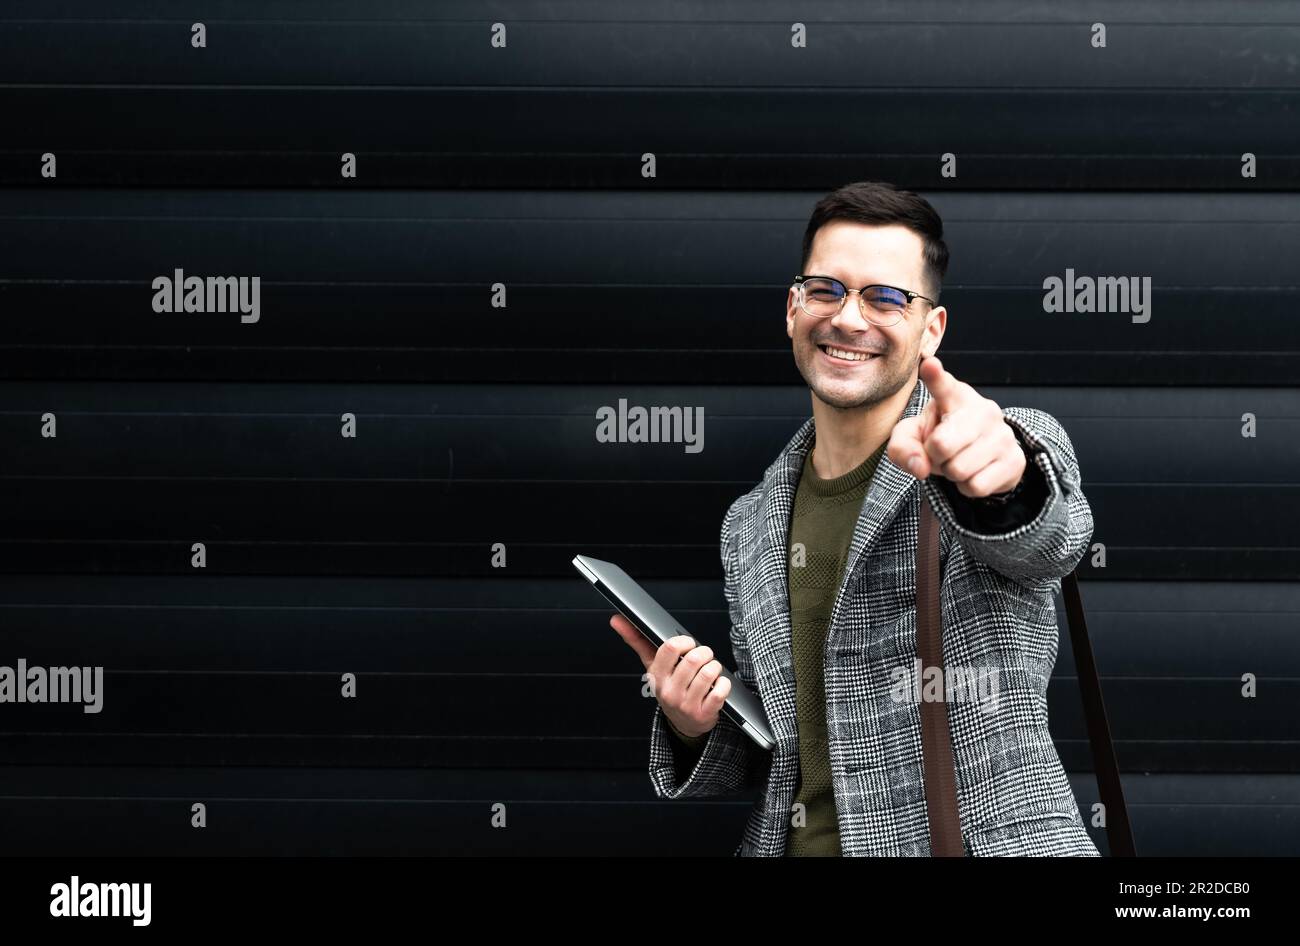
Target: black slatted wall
<point>475,425</point>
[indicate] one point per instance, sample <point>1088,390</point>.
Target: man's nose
<point>851,316</point>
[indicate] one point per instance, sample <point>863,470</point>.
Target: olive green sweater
<point>824,515</point>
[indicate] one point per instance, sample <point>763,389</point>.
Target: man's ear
<point>932,333</point>
<point>791,311</point>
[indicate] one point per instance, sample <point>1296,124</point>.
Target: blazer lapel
<point>770,643</point>
<point>889,487</point>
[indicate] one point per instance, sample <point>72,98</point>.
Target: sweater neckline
<point>840,484</point>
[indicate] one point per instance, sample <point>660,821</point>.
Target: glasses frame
<point>799,281</point>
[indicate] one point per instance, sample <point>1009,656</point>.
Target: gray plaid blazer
<point>999,613</point>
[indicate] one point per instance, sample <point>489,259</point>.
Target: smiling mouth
<point>846,355</point>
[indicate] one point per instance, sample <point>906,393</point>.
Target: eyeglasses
<point>824,296</point>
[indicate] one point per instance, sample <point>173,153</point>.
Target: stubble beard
<point>884,384</point>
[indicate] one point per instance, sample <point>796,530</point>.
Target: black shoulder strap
<point>1119,833</point>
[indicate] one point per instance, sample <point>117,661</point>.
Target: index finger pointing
<point>946,390</point>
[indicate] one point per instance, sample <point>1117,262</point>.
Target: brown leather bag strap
<point>939,769</point>
<point>1119,833</point>
<point>936,742</point>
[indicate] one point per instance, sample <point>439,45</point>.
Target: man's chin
<point>845,399</point>
<point>839,392</point>
<point>848,396</point>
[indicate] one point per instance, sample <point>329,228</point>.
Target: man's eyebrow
<point>853,284</point>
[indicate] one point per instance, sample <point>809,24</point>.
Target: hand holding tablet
<point>692,687</point>
<point>682,677</point>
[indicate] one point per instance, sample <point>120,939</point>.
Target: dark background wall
<point>522,165</point>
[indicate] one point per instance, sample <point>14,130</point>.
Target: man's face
<point>859,255</point>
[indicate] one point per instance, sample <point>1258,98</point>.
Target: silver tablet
<point>658,627</point>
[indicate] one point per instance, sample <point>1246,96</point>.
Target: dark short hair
<point>880,203</point>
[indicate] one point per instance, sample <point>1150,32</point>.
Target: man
<point>820,577</point>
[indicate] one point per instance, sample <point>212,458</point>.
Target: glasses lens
<point>822,297</point>
<point>885,305</point>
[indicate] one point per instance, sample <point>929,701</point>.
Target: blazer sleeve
<point>1051,543</point>
<point>725,762</point>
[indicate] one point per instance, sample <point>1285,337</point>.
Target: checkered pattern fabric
<point>999,619</point>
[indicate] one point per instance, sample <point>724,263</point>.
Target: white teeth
<point>847,355</point>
